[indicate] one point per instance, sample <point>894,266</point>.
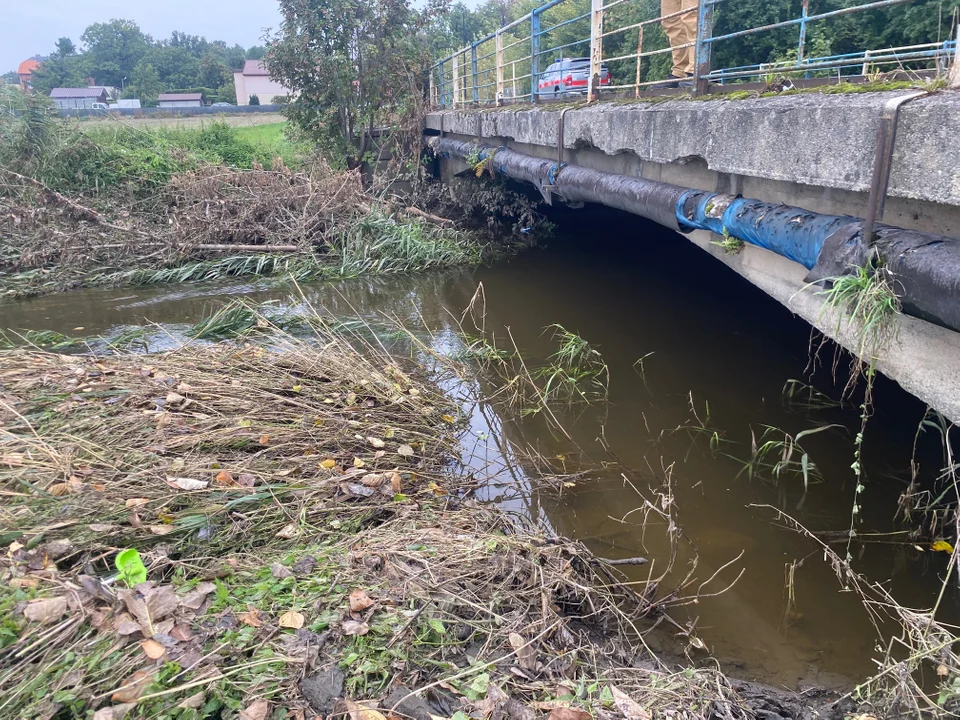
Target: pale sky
<point>31,27</point>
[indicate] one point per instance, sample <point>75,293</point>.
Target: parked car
<point>569,76</point>
<point>100,106</point>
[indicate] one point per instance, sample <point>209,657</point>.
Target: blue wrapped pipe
<point>788,231</point>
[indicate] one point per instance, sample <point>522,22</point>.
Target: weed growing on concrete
<point>731,245</point>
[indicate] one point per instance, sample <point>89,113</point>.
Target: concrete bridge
<point>823,178</point>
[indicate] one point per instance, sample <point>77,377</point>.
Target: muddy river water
<point>708,339</point>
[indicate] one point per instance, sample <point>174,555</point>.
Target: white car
<point>569,76</point>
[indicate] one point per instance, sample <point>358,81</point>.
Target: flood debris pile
<point>278,530</point>
<point>134,206</point>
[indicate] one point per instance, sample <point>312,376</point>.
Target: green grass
<point>273,140</point>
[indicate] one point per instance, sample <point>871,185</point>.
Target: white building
<point>78,98</point>
<point>254,79</point>
<point>179,100</point>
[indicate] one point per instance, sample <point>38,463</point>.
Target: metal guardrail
<point>506,65</point>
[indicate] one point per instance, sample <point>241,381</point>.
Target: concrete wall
<point>260,85</point>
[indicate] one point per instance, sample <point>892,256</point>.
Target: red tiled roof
<point>255,67</point>
<point>27,67</point>
<point>180,96</point>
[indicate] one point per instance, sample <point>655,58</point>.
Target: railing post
<point>802,46</point>
<point>433,91</point>
<point>443,90</point>
<point>636,87</point>
<point>499,68</point>
<point>704,47</point>
<point>473,72</point>
<point>456,80</point>
<point>954,77</point>
<point>596,49</point>
<point>534,56</point>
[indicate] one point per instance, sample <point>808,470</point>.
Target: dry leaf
<point>136,502</point>
<point>264,439</point>
<point>568,713</point>
<point>114,712</point>
<point>194,599</point>
<point>185,483</point>
<point>181,633</point>
<point>102,527</point>
<point>395,483</point>
<point>354,627</point>
<point>359,601</point>
<point>292,619</point>
<point>328,464</point>
<point>46,610</point>
<point>153,650</point>
<point>358,463</point>
<point>161,529</point>
<point>133,687</point>
<point>630,708</point>
<point>448,418</point>
<point>526,655</point>
<point>362,712</point>
<point>62,488</point>
<point>257,710</point>
<point>288,531</point>
<point>126,625</point>
<point>246,480</point>
<point>376,442</point>
<point>942,670</point>
<point>194,702</point>
<point>405,451</point>
<point>150,606</point>
<point>251,618</point>
<point>224,478</point>
<point>373,479</point>
<point>280,571</point>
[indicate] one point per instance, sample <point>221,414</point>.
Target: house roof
<point>84,92</point>
<point>28,66</point>
<point>180,96</point>
<point>254,67</point>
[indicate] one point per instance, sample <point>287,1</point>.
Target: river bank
<point>307,545</point>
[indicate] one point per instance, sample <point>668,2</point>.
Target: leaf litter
<point>453,607</point>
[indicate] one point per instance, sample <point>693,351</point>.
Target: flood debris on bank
<point>308,549</point>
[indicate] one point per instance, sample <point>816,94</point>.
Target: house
<point>180,100</point>
<point>78,98</point>
<point>26,69</point>
<point>254,79</point>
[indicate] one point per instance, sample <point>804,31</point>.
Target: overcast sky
<point>31,27</point>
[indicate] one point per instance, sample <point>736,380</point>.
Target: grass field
<point>194,122</point>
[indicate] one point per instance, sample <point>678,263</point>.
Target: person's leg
<point>688,22</point>
<point>675,30</point>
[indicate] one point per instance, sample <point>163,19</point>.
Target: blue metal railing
<point>507,65</point>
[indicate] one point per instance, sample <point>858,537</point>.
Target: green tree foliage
<point>113,49</point>
<point>145,84</point>
<point>353,64</point>
<point>11,78</point>
<point>253,100</point>
<point>64,68</point>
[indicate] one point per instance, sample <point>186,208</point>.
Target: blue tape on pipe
<point>788,231</point>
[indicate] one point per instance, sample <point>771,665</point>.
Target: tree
<point>65,47</point>
<point>11,78</point>
<point>144,84</point>
<point>113,49</point>
<point>352,64</point>
<point>256,52</point>
<point>64,68</point>
<point>213,72</point>
<point>175,64</point>
<point>254,100</point>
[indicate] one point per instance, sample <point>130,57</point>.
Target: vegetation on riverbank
<point>308,544</point>
<point>124,205</point>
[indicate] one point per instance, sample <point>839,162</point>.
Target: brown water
<point>713,338</point>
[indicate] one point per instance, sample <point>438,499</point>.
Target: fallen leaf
<point>395,482</point>
<point>224,478</point>
<point>448,418</point>
<point>161,529</point>
<point>133,687</point>
<point>264,439</point>
<point>61,489</point>
<point>362,712</point>
<point>359,601</point>
<point>389,433</point>
<point>150,605</point>
<point>297,388</point>
<point>280,571</point>
<point>356,489</point>
<point>373,479</point>
<point>941,546</point>
<point>630,708</point>
<point>358,463</point>
<point>376,442</point>
<point>181,633</point>
<point>251,618</point>
<point>244,423</point>
<point>288,531</point>
<point>292,619</point>
<point>246,480</point>
<point>27,582</point>
<point>153,650</point>
<point>46,610</point>
<point>328,464</point>
<point>354,627</point>
<point>257,710</point>
<point>126,625</point>
<point>136,502</point>
<point>526,654</point>
<point>194,599</point>
<point>102,527</point>
<point>568,713</point>
<point>194,702</point>
<point>185,483</point>
<point>405,451</point>
<point>942,670</point>
<point>114,712</point>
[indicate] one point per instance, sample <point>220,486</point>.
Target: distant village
<point>252,82</point>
